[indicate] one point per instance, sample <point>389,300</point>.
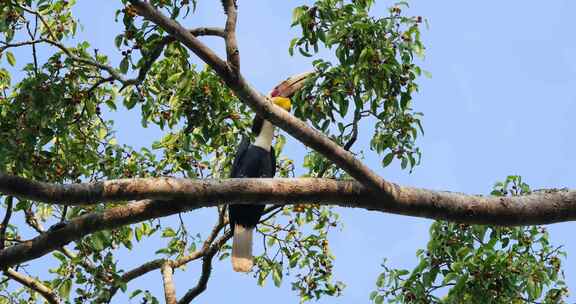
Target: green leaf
<point>111,104</point>
<point>60,256</point>
<point>297,14</point>
<point>262,276</point>
<point>388,159</point>
<point>124,65</point>
<point>135,293</point>
<point>277,275</point>
<point>451,276</point>
<point>118,40</point>
<point>97,243</point>
<point>381,280</point>
<point>168,232</point>
<point>11,59</point>
<point>64,289</point>
<point>304,53</point>
<point>138,233</point>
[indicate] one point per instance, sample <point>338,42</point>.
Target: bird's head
<point>282,93</point>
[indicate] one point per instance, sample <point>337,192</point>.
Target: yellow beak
<point>282,102</point>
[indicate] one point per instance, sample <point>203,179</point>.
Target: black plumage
<point>250,161</point>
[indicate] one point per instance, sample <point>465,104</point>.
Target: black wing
<point>242,148</point>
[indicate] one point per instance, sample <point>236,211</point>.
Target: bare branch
<point>33,284</point>
<point>146,268</point>
<point>232,52</point>
<point>208,31</point>
<point>6,46</point>
<point>206,270</point>
<point>155,264</point>
<point>169,291</point>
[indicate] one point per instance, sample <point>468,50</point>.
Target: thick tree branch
<point>170,196</point>
<point>537,208</point>
<point>81,226</point>
<point>33,284</point>
<point>169,291</point>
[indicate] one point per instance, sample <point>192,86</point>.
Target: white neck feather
<point>264,139</point>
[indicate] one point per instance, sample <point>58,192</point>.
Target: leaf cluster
<point>372,78</point>
<point>480,264</point>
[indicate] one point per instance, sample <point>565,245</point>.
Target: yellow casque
<point>282,102</point>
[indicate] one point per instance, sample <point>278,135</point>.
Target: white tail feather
<point>242,249</point>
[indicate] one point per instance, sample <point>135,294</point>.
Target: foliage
<point>373,76</point>
<point>480,264</point>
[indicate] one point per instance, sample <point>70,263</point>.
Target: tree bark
<point>166,196</point>
<point>167,279</point>
<point>33,284</point>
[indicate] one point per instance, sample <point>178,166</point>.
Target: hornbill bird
<point>256,160</point>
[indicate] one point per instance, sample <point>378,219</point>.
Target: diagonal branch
<point>294,126</point>
<point>81,226</point>
<point>33,284</point>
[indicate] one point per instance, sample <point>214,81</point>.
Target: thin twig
<point>6,46</point>
<point>37,14</point>
<point>33,37</point>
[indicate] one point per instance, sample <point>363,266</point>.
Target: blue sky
<point>501,101</point>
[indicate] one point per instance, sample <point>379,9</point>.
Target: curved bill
<point>288,87</point>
